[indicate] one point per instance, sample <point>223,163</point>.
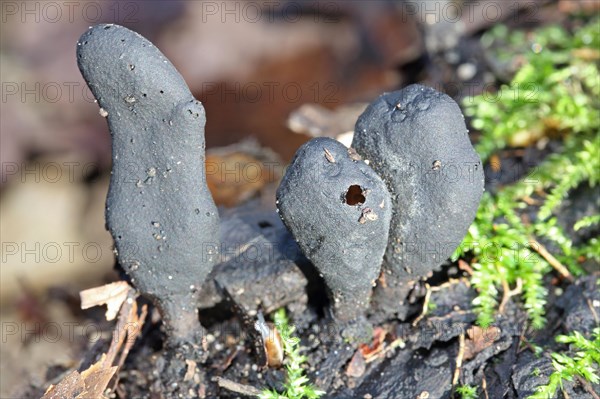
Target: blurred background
<point>270,75</point>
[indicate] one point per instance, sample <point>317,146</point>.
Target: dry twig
<point>559,267</point>
<point>425,305</point>
<point>508,293</point>
<point>459,361</point>
<point>587,386</point>
<point>247,390</point>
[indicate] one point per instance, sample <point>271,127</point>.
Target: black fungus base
<point>425,364</point>
<point>159,209</point>
<point>338,210</point>
<point>417,141</point>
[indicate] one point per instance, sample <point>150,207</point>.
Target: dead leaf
<point>70,387</point>
<point>376,346</point>
<point>495,163</point>
<point>314,120</point>
<point>238,172</point>
<point>191,370</point>
<point>90,384</point>
<point>127,329</point>
<point>382,279</point>
<point>94,381</point>
<point>478,339</point>
<point>462,265</point>
<point>112,295</point>
<point>97,377</point>
<point>357,366</point>
<point>134,327</point>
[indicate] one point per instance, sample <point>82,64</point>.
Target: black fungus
<point>339,211</point>
<point>159,209</point>
<point>417,141</point>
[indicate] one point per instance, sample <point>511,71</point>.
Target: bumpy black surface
<point>343,235</point>
<point>417,141</point>
<point>158,210</point>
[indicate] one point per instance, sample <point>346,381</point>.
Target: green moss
<point>555,90</point>
<point>555,94</point>
<point>467,392</point>
<point>297,385</point>
<point>581,361</point>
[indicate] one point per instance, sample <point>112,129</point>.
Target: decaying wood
<point>112,295</point>
<point>233,386</point>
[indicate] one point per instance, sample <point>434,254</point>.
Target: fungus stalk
<point>417,141</point>
<point>339,211</point>
<point>158,210</point>
<point>345,218</point>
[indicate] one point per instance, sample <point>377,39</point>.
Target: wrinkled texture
<point>344,241</point>
<point>158,210</point>
<point>417,141</point>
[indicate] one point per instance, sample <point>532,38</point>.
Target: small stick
<point>459,360</point>
<point>225,365</point>
<point>508,293</point>
<point>462,265</point>
<point>398,342</point>
<point>591,306</point>
<point>449,315</point>
<point>524,340</point>
<point>484,386</point>
<point>128,308</point>
<point>425,305</point>
<point>587,386</point>
<point>559,267</point>
<point>530,201</point>
<point>449,283</point>
<point>247,390</point>
<point>132,335</point>
<point>329,156</point>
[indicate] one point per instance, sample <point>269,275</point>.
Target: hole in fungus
<point>263,224</point>
<point>354,195</point>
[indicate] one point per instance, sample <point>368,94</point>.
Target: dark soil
<point>424,364</point>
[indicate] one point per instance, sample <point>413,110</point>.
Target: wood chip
<point>314,120</point>
<point>376,346</point>
<point>89,384</point>
<point>478,339</point>
<point>93,382</point>
<point>233,386</point>
<point>70,387</point>
<point>355,156</point>
<point>96,379</point>
<point>329,156</point>
<point>191,370</point>
<point>357,366</point>
<point>112,295</point>
<point>367,215</point>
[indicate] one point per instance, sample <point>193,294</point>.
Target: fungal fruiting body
<point>417,141</point>
<point>338,210</point>
<point>159,211</point>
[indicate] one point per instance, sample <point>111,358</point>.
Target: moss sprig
<point>467,392</point>
<point>581,361</point>
<point>297,384</point>
<point>554,94</point>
